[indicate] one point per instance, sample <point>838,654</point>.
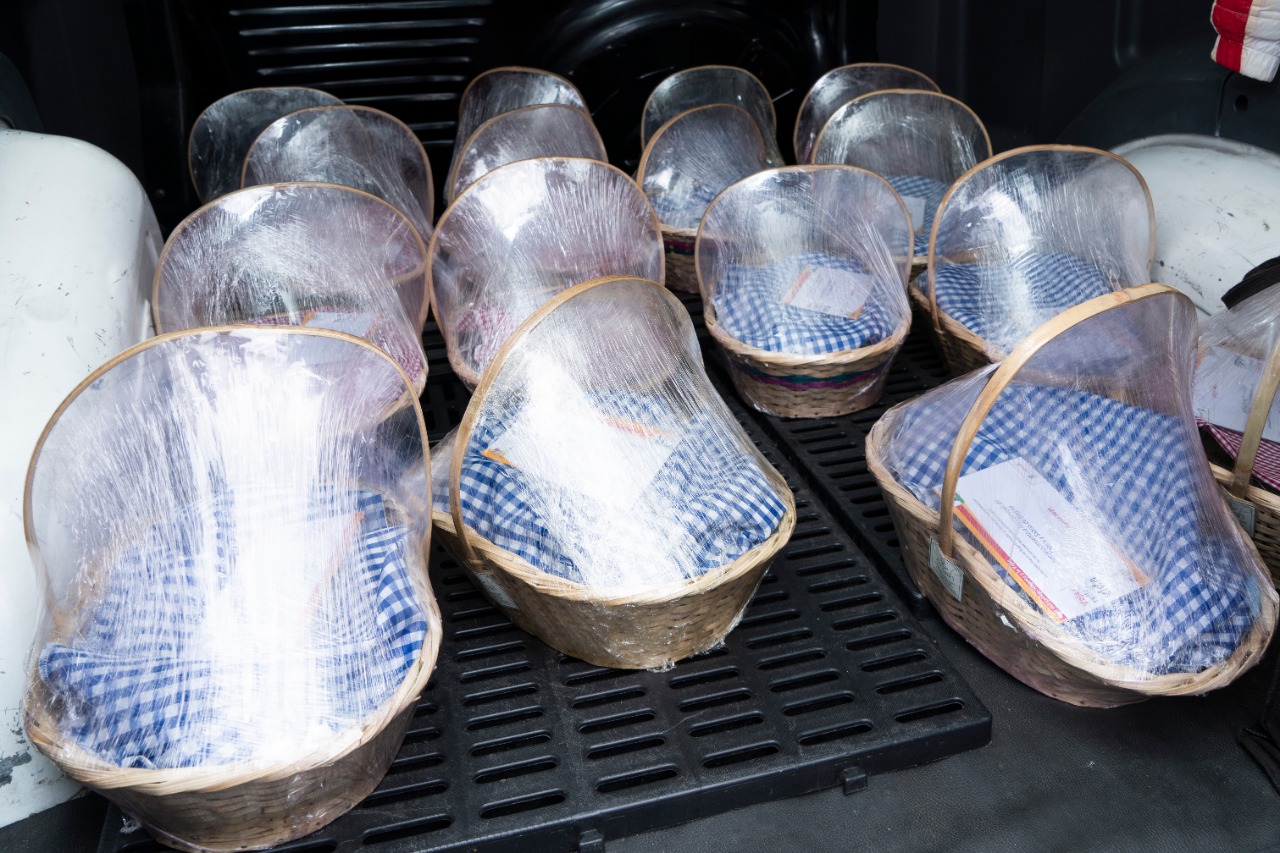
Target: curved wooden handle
<point>1001,378</point>
<point>1262,401</point>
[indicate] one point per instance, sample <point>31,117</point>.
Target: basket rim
<point>773,112</point>
<point>795,132</point>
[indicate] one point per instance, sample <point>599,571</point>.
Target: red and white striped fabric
<point>1266,467</point>
<point>1248,36</point>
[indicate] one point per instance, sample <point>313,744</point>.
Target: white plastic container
<point>78,248</point>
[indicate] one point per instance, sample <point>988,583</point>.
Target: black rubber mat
<point>827,680</point>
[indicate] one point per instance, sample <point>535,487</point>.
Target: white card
<point>915,208</point>
<point>839,293</point>
<point>1225,386</point>
<point>1062,561</point>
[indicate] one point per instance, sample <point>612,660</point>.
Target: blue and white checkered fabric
<point>930,192</point>
<point>683,209</point>
<point>1133,469</point>
<point>146,682</point>
<point>748,303</point>
<point>1003,303</point>
<point>719,498</point>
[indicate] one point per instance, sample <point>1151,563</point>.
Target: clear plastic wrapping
<point>525,232</point>
<point>920,141</point>
<point>695,155</point>
<point>704,85</point>
<point>611,502</point>
<point>1030,233</point>
<point>232,538</point>
<point>315,255</point>
<point>1089,552</point>
<point>357,147</point>
<point>222,134</point>
<point>841,85</point>
<point>542,130</point>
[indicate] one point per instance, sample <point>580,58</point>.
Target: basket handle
<point>1262,401</point>
<point>1003,375</point>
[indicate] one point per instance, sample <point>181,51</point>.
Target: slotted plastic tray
<point>827,680</point>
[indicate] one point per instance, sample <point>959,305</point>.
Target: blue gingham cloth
<point>748,303</point>
<point>1003,303</point>
<point>1134,467</point>
<point>138,686</point>
<point>683,209</point>
<point>717,495</point>
<point>928,191</point>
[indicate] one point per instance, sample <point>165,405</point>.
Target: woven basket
<point>242,805</point>
<point>1010,631</point>
<point>682,271</point>
<point>647,630</point>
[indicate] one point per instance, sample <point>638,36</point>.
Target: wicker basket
<point>241,805</point>
<point>1006,628</point>
<point>646,630</point>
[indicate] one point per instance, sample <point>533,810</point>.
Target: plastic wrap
<point>1089,552</point>
<point>704,85</point>
<point>355,147</point>
<point>612,504</point>
<point>803,272</point>
<point>841,85</point>
<point>222,134</point>
<point>525,232</point>
<point>542,130</point>
<point>315,255</point>
<point>920,141</point>
<point>1028,234</point>
<point>501,90</point>
<point>232,538</point>
<point>691,158</point>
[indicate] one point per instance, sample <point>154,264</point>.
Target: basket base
<point>786,395</point>
<point>681,271</point>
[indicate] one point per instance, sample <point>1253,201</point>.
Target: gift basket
<point>600,491</point>
<point>1058,511</point>
<point>523,233</point>
<point>920,141</point>
<point>232,541</point>
<point>803,273</point>
<point>222,134</point>
<point>315,255</point>
<point>542,130</point>
<point>704,85</point>
<point>1238,370</point>
<point>501,90</point>
<point>841,85</point>
<point>1026,235</point>
<point>686,164</point>
<point>357,147</point>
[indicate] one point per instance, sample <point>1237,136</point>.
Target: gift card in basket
<point>827,290</point>
<point>915,209</point>
<point>1049,548</point>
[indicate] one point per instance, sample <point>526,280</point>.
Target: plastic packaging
<point>841,85</point>
<point>501,90</point>
<point>803,272</point>
<point>357,147</point>
<point>525,232</point>
<point>542,130</point>
<point>1089,553</point>
<point>1238,370</point>
<point>1027,234</point>
<point>232,540</point>
<point>612,505</point>
<point>315,255</point>
<point>704,85</point>
<point>222,134</point>
<point>920,141</point>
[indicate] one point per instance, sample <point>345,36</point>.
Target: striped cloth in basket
<point>1136,477</point>
<point>749,306</point>
<point>153,680</point>
<point>1266,466</point>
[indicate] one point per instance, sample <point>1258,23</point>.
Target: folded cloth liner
<point>979,296</point>
<point>1266,466</point>
<point>722,501</point>
<point>749,306</point>
<point>154,681</point>
<point>930,193</point>
<point>1197,607</point>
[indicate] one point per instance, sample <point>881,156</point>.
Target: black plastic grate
<point>826,681</point>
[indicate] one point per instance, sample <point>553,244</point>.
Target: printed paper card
<point>839,293</point>
<point>1225,386</point>
<point>1047,546</point>
<point>915,208</point>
